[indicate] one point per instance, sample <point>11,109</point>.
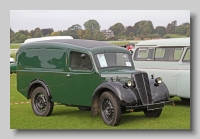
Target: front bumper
<point>150,106</point>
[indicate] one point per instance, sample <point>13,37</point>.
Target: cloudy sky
<point>63,19</point>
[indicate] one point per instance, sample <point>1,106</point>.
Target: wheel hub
<point>108,109</point>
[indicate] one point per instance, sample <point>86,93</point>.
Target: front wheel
<point>152,113</point>
<point>110,109</point>
<point>41,103</point>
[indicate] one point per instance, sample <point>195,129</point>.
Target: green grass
<point>65,117</point>
<point>175,35</point>
<point>14,46</point>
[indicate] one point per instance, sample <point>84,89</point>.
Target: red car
<point>130,47</point>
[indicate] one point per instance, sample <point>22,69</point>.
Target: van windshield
<point>113,60</point>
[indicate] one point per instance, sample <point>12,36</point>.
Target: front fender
<point>126,96</point>
<point>159,92</point>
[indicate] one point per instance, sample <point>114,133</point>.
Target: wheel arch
<point>38,83</point>
<point>116,88</point>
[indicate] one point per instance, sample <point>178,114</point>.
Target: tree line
<point>142,29</point>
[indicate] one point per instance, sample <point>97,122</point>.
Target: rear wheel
<point>152,113</point>
<point>110,109</point>
<point>41,103</point>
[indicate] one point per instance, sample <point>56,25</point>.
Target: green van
<point>91,75</point>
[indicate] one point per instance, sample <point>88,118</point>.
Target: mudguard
<point>159,92</point>
<point>125,95</point>
<point>41,83</point>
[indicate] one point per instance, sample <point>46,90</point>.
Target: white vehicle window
<point>187,56</point>
<point>177,53</point>
<point>143,53</point>
<point>160,53</point>
<point>168,53</point>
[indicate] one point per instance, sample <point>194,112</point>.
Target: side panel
<point>183,80</point>
<point>47,65</point>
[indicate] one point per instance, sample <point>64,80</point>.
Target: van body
<point>87,74</point>
<point>168,58</point>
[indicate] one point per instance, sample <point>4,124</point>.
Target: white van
<point>169,59</point>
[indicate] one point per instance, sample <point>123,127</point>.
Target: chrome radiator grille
<point>142,85</point>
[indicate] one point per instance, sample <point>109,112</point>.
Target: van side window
<point>177,53</point>
<point>80,61</point>
<point>141,54</point>
<point>160,53</point>
<point>168,54</point>
<point>144,54</point>
<point>187,56</point>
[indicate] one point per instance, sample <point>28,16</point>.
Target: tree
<point>57,33</point>
<point>182,29</point>
<point>19,37</point>
<point>160,30</point>
<point>47,31</point>
<point>188,33</point>
<point>25,32</point>
<point>73,31</point>
<point>143,28</point>
<point>84,34</point>
<point>92,26</point>
<point>76,27</point>
<point>118,29</point>
<point>171,27</point>
<point>35,33</point>
<point>98,36</point>
<point>129,31</point>
<point>12,33</point>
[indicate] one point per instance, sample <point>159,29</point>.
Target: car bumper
<point>150,106</point>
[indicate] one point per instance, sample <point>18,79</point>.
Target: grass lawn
<point>175,35</point>
<point>65,117</point>
<point>14,46</point>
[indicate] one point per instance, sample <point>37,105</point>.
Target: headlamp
<point>158,80</point>
<point>128,83</point>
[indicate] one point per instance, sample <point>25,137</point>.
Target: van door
<point>183,80</point>
<point>81,78</point>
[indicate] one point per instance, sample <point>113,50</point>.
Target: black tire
<point>41,103</point>
<point>84,108</point>
<point>152,113</point>
<point>110,109</point>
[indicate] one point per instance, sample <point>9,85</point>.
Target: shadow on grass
<point>180,103</point>
<point>69,111</point>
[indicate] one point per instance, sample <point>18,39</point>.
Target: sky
<point>63,19</point>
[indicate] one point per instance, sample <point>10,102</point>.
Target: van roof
<point>78,42</point>
<point>47,38</point>
<point>165,42</point>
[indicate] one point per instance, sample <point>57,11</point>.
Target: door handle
<point>68,75</point>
